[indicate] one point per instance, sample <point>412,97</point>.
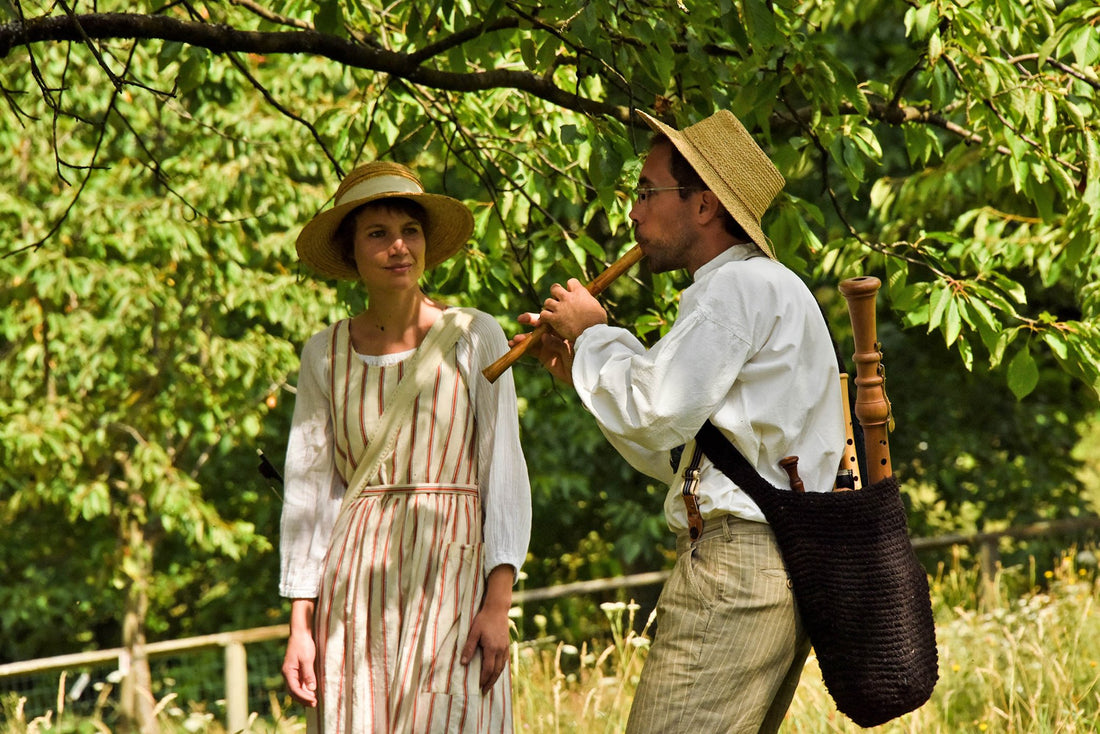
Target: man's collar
<point>734,253</point>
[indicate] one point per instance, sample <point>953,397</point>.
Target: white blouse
<point>749,350</point>
<point>313,489</point>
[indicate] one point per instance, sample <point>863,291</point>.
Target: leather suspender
<point>691,500</point>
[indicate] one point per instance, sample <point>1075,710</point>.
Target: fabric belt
<point>726,526</point>
<point>381,489</point>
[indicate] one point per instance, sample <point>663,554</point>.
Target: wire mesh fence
<point>189,677</point>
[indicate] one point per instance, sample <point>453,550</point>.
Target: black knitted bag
<point>861,592</point>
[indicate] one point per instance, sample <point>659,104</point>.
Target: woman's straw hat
<point>448,226</point>
<point>732,165</point>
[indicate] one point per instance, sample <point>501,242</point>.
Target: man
<point>750,352</point>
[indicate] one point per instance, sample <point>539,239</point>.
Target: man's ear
<point>709,207</point>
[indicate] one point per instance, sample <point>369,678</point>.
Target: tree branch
<point>243,71</point>
<point>222,39</point>
<point>268,15</point>
<point>71,16</point>
<point>461,37</point>
<point>1066,68</point>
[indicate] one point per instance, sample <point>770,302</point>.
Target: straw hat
<point>732,165</point>
<point>448,226</point>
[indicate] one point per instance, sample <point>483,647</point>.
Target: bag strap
<point>725,457</point>
<point>443,335</point>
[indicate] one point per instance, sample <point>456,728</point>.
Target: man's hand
<point>571,309</point>
<point>555,353</point>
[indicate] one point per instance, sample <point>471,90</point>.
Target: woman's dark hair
<point>344,236</point>
<point>686,176</point>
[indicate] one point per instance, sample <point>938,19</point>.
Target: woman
<point>407,504</point>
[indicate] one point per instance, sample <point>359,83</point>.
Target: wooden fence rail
<point>234,643</point>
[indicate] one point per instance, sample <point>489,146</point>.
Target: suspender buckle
<point>691,500</point>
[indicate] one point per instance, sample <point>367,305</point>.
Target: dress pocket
<point>458,595</point>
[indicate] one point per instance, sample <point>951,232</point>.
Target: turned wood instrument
<point>872,405</point>
<point>598,284</point>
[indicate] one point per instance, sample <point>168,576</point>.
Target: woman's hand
<point>299,665</point>
<point>489,633</point>
<point>489,630</point>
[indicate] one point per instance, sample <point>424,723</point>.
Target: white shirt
<point>749,350</point>
<point>313,489</point>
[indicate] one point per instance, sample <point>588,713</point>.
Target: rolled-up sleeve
<point>648,401</point>
<point>502,469</point>
<point>312,488</point>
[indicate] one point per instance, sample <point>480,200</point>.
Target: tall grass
<point>1010,663</point>
<point>560,688</point>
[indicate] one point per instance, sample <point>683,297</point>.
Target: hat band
<point>376,185</point>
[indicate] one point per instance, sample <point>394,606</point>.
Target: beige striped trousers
<point>729,645</point>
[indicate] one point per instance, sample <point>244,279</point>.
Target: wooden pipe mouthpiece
<point>790,465</point>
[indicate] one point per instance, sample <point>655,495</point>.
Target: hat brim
<point>447,230</point>
<point>714,181</point>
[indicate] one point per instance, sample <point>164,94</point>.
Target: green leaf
<point>966,353</point>
<point>1057,343</point>
<point>921,21</point>
<point>568,134</point>
<point>529,53</point>
<point>937,304</point>
<point>953,321</point>
<point>935,48</point>
<point>192,71</point>
<point>169,52</point>
<point>1023,374</point>
<point>761,24</point>
<point>731,24</point>
<point>329,17</point>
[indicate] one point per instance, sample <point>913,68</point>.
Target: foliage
<point>955,142</point>
<point>143,354</point>
<point>973,458</point>
<point>163,157</point>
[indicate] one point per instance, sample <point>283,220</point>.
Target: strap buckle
<point>691,500</point>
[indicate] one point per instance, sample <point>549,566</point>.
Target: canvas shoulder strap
<point>443,335</point>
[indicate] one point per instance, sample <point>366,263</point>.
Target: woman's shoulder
<point>480,323</point>
<point>320,342</point>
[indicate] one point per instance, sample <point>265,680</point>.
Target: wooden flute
<point>598,284</point>
<point>872,404</point>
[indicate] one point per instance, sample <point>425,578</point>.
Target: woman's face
<point>389,248</point>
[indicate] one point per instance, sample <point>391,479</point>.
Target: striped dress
<point>403,578</point>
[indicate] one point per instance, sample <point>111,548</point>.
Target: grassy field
<point>1029,663</point>
<point>1021,654</point>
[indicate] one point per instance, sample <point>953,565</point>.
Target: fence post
<point>990,561</point>
<point>236,687</point>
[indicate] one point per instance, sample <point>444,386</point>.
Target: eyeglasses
<point>642,193</point>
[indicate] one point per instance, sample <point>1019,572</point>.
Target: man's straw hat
<point>448,226</point>
<point>732,165</point>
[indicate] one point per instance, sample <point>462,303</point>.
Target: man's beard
<point>665,254</point>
